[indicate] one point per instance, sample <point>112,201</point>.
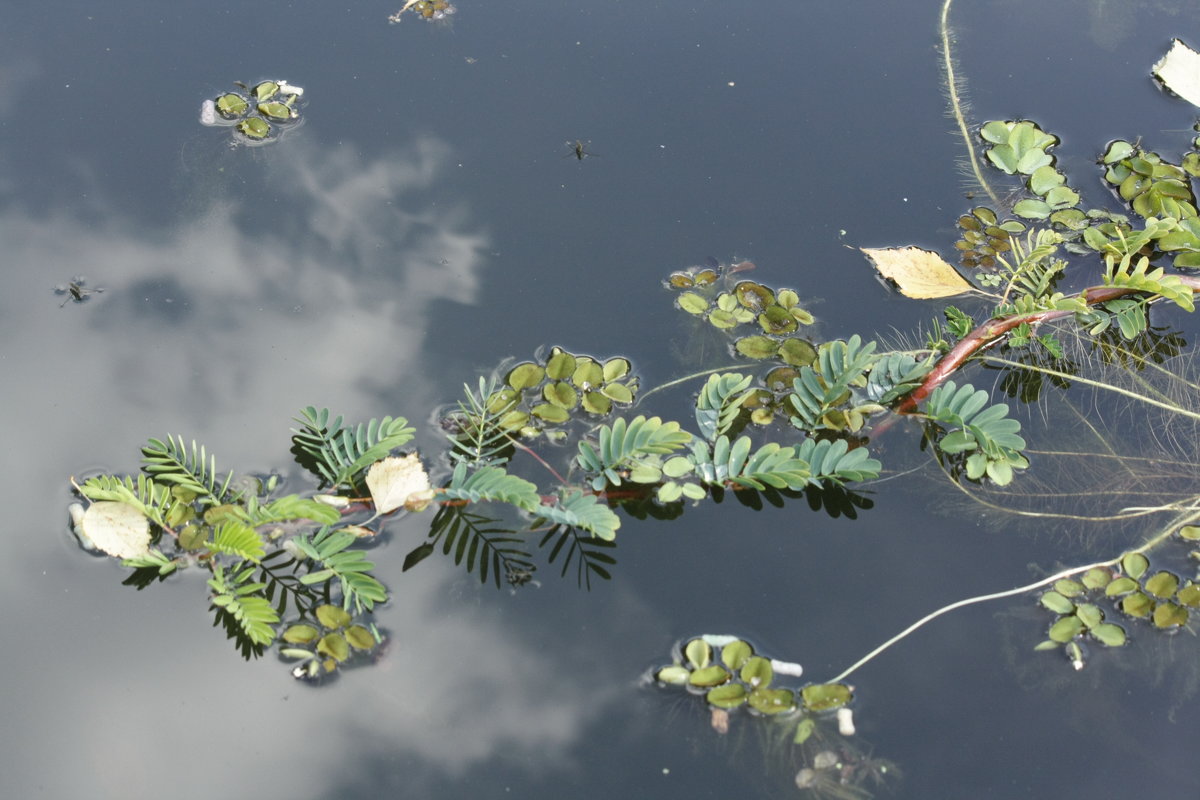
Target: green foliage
<point>719,403</point>
<point>1017,147</point>
<point>142,493</point>
<point>479,430</point>
<point>194,470</point>
<point>623,445</point>
<point>1124,273</point>
<point>339,455</point>
<point>491,484</point>
<point>237,539</point>
<point>290,507</point>
<point>834,461</point>
<point>821,394</point>
<point>731,462</point>
<point>241,608</point>
<point>895,375</point>
<point>985,433</point>
<point>324,647</point>
<point>576,509</point>
<point>329,550</point>
<point>1151,186</point>
<point>984,237</point>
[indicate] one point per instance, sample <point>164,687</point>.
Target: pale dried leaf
<point>1179,70</point>
<point>918,273</point>
<point>393,480</point>
<point>118,529</point>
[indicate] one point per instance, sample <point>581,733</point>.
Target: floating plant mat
<point>257,114</point>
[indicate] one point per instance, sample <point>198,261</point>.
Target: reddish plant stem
<point>993,330</point>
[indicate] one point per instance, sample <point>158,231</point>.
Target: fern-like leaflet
<point>719,403</point>
<point>143,494</point>
<point>834,461</point>
<point>819,393</point>
<point>195,470</point>
<point>621,445</point>
<point>238,539</point>
<point>986,433</point>
<point>491,484</point>
<point>731,462</point>
<point>575,509</point>
<point>339,455</point>
<point>329,549</point>
<point>478,437</point>
<point>242,609</point>
<point>895,375</point>
<point>290,507</point>
<point>490,551</point>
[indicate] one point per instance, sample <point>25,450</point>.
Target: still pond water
<point>426,222</point>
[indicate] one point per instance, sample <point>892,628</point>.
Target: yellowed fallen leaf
<point>118,529</point>
<point>1179,70</point>
<point>393,480</point>
<point>918,273</point>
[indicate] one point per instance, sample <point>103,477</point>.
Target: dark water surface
<point>421,226</point>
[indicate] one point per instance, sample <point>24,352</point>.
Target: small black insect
<point>578,149</point>
<point>75,290</point>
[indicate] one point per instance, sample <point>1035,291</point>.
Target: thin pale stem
<point>956,102</point>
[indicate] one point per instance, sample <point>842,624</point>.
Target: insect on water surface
<point>75,290</point>
<point>578,149</point>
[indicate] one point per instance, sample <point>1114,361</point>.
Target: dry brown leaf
<point>1179,70</point>
<point>918,273</point>
<point>393,480</point>
<point>118,529</point>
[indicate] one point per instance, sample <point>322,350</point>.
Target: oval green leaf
<point>254,128</point>
<point>617,392</point>
<point>332,617</point>
<point>334,646</point>
<point>1066,628</point>
<point>730,696</point>
<point>736,653</point>
<point>561,394</point>
<point>797,352</point>
<point>552,414</point>
<point>758,347</point>
<point>712,675</point>
<point>1056,603</point>
<point>1135,565</point>
<point>1162,584</point>
<point>757,672</point>
<point>698,653</point>
<point>1109,635</point>
<point>674,675</point>
<point>772,701</point>
<point>560,365</point>
<point>525,375</point>
<point>825,696</point>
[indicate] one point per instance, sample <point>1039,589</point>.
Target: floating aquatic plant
<point>257,114</point>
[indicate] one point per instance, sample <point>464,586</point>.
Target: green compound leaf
<point>719,403</point>
<point>625,443</point>
<point>585,511</point>
<point>491,484</point>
